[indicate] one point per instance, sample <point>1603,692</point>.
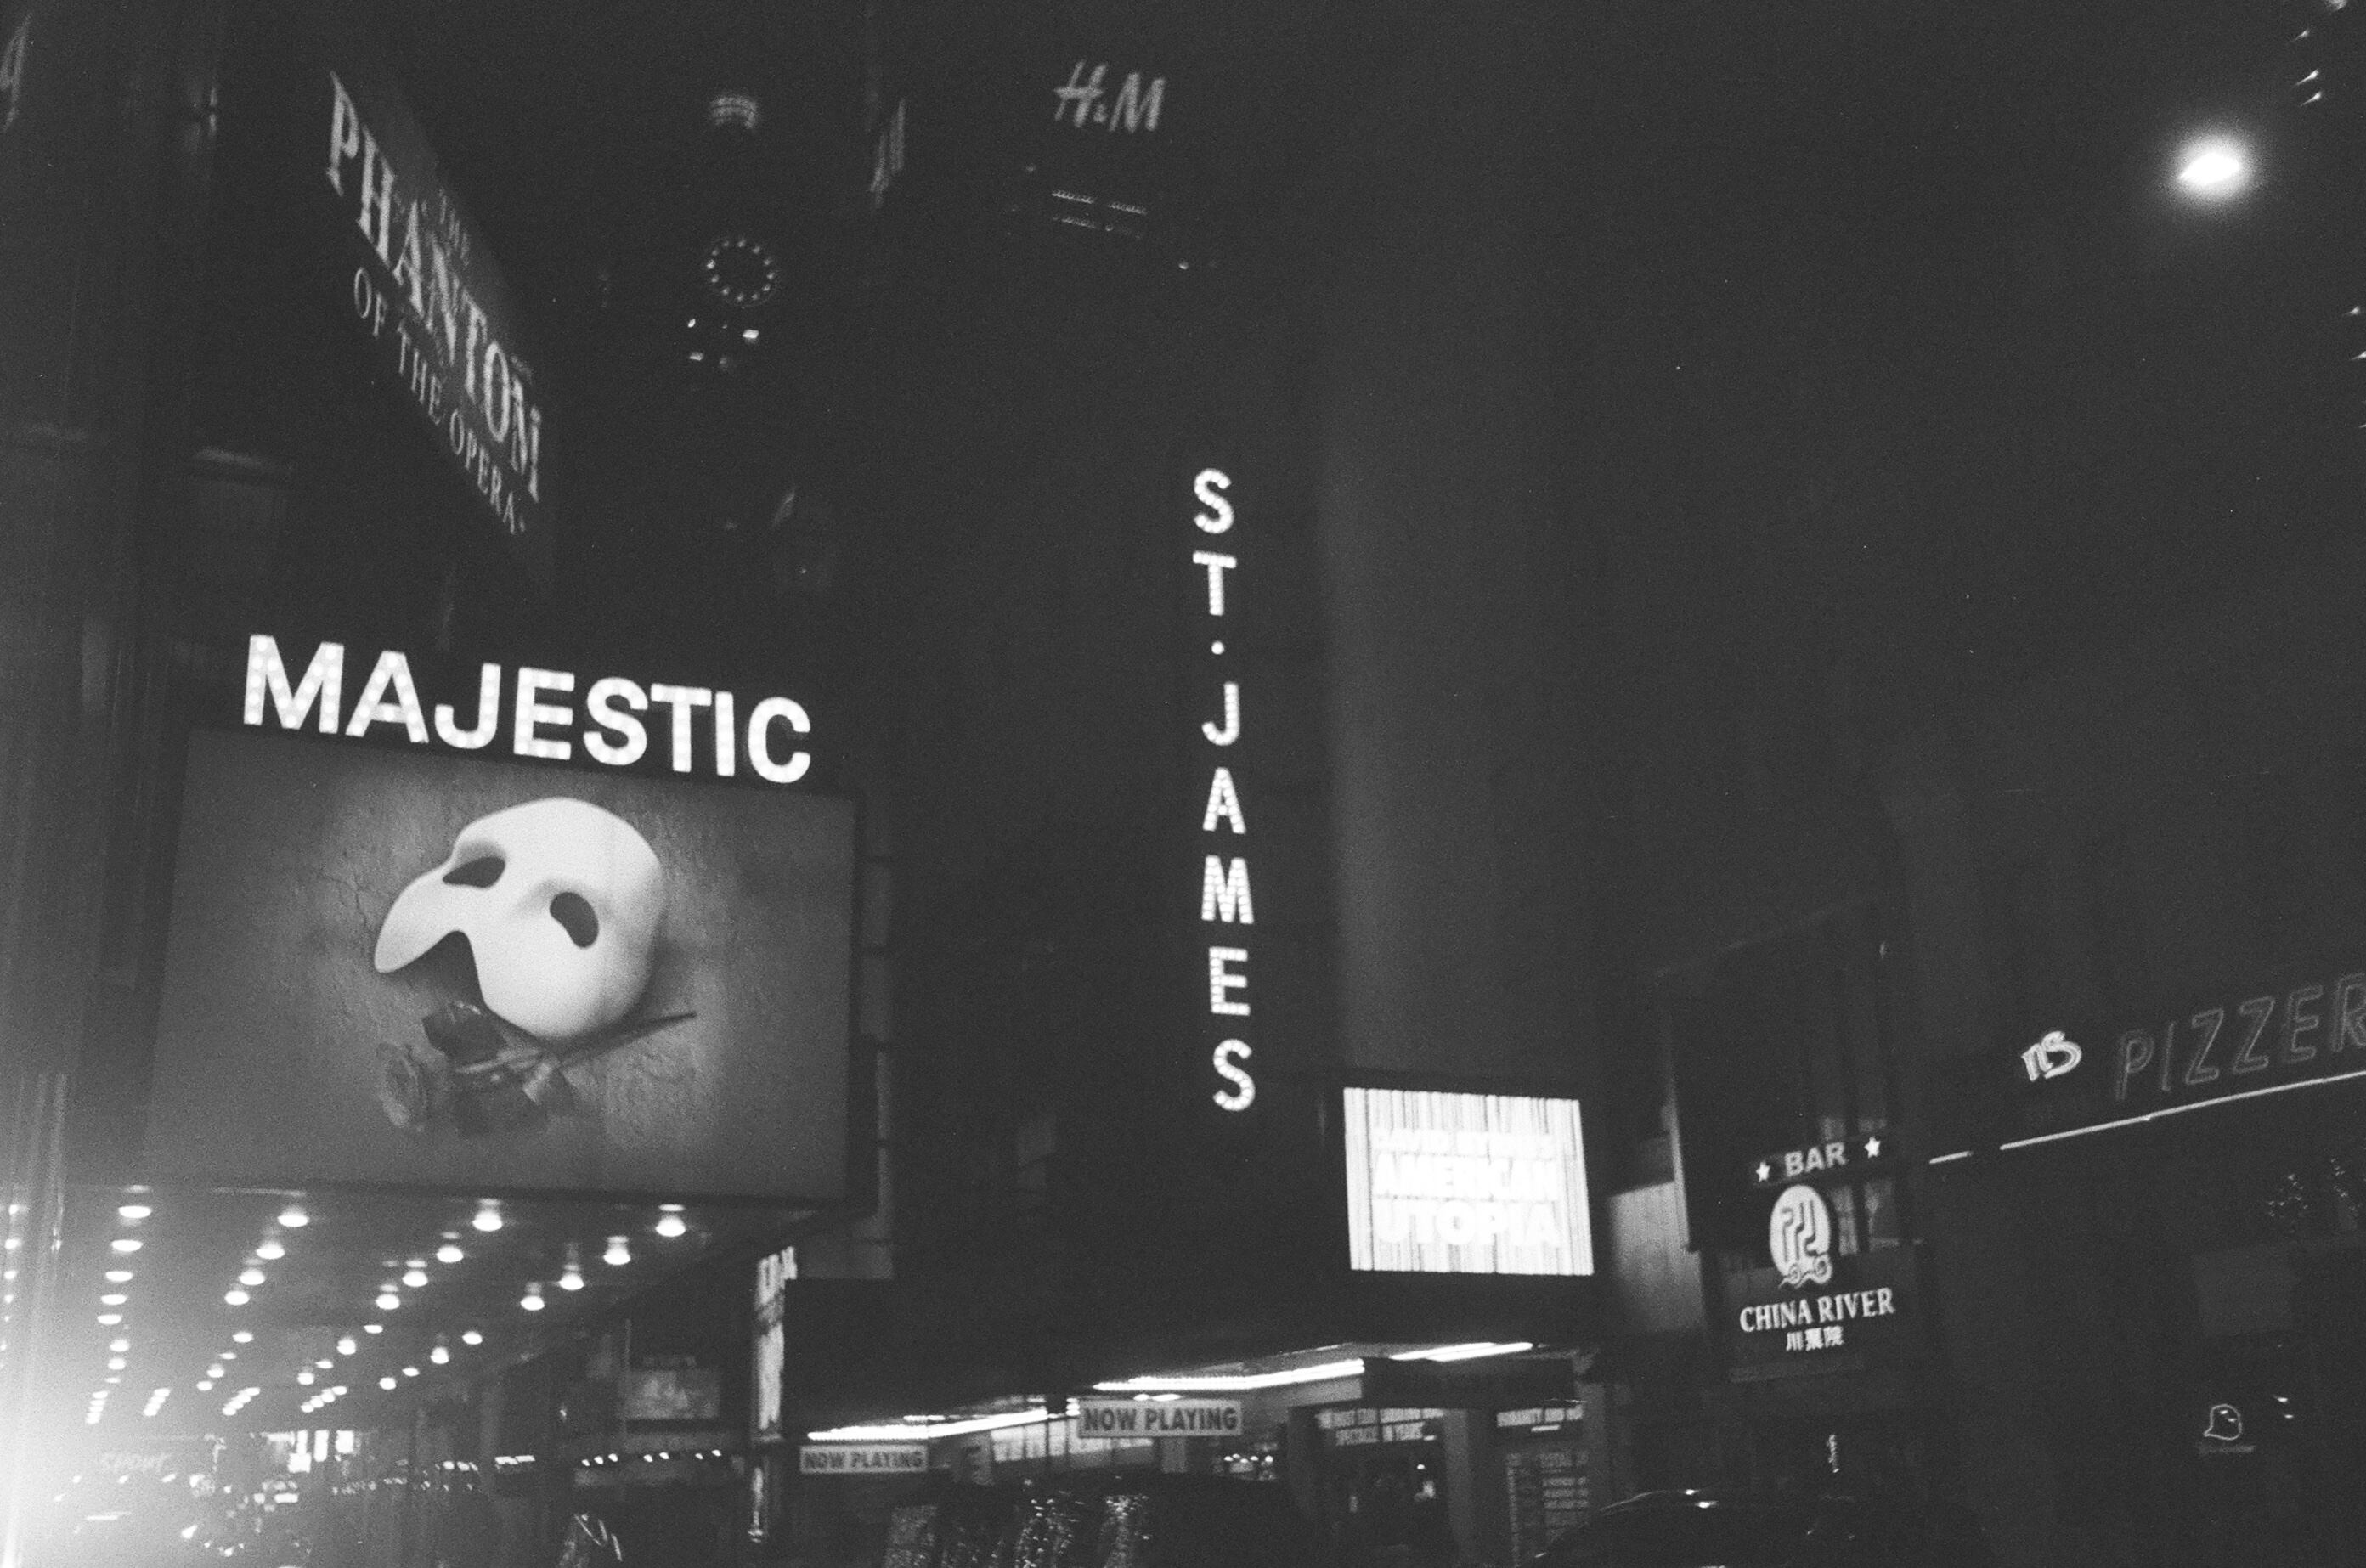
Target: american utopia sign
<point>1466,1184</point>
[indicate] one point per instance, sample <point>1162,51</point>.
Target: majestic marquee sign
<point>2305,1030</point>
<point>428,968</point>
<point>1465,1183</point>
<point>1122,1420</point>
<point>425,291</point>
<point>862,1458</point>
<point>702,731</point>
<point>1225,896</point>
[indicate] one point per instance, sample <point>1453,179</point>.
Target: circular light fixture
<point>531,1300</point>
<point>572,1280</point>
<point>2214,168</point>
<point>116,1300</point>
<point>119,1276</point>
<point>439,1355</point>
<point>204,1385</point>
<point>414,1277</point>
<point>305,1377</point>
<point>670,1221</point>
<point>110,1319</point>
<point>346,1346</point>
<point>115,1363</point>
<point>125,1244</point>
<point>250,1276</point>
<point>385,1383</point>
<point>271,1251</point>
<point>243,1336</point>
<point>119,1346</point>
<point>618,1253</point>
<point>215,1370</point>
<point>294,1218</point>
<point>449,1253</point>
<point>735,111</point>
<point>472,1338</point>
<point>135,1211</point>
<point>741,272</point>
<point>388,1301</point>
<point>236,1298</point>
<point>411,1372</point>
<point>488,1217</point>
<point>373,1328</point>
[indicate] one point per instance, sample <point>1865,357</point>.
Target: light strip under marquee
<point>612,732</point>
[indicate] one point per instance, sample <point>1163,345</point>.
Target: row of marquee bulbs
<point>670,1225</point>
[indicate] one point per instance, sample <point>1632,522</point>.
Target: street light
<point>2214,168</point>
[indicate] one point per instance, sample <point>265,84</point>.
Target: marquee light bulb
<point>271,1251</point>
<point>293,1218</point>
<point>472,1338</point>
<point>125,1244</point>
<point>119,1276</point>
<point>388,1301</point>
<point>250,1276</point>
<point>670,1222</point>
<point>305,1377</point>
<point>414,1277</point>
<point>449,1253</point>
<point>572,1280</point>
<point>346,1346</point>
<point>531,1300</point>
<point>236,1298</point>
<point>373,1328</point>
<point>114,1299</point>
<point>387,1384</point>
<point>488,1217</point>
<point>119,1346</point>
<point>135,1211</point>
<point>110,1319</point>
<point>618,1253</point>
<point>243,1336</point>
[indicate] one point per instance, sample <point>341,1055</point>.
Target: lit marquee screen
<point>1445,1183</point>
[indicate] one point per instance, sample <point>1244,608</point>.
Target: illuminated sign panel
<point>862,1458</point>
<point>1451,1183</point>
<point>772,1277</point>
<point>426,968</point>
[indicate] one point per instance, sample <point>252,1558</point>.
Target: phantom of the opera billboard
<point>1441,1182</point>
<point>570,937</point>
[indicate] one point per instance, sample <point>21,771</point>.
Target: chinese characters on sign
<point>1224,898</point>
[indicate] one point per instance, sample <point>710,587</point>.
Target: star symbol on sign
<point>1873,1146</point>
<point>1764,1171</point>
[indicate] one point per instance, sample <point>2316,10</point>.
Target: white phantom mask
<point>560,902</point>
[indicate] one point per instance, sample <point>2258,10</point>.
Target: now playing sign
<point>862,1458</point>
<point>1116,1420</point>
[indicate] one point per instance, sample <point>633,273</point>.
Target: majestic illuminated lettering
<point>611,730</point>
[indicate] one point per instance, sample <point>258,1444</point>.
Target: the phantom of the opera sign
<point>453,959</point>
<point>421,286</point>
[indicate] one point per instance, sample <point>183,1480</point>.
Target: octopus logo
<point>1800,1234</point>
